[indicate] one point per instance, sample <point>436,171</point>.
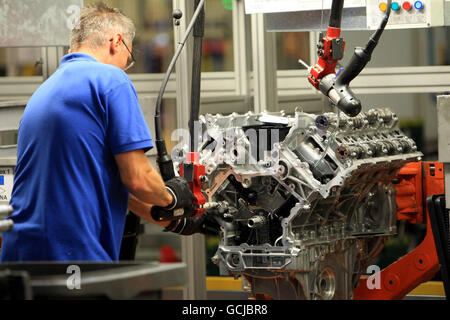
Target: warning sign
<point>6,184</point>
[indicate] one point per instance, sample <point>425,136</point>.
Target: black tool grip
<point>164,161</point>
<point>348,101</point>
<point>160,214</point>
<point>357,63</point>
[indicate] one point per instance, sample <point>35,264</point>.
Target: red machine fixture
<point>416,182</point>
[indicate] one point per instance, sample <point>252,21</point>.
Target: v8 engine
<point>305,202</point>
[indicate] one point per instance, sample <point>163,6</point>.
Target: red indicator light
<point>407,5</point>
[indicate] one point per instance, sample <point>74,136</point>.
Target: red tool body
<point>328,58</point>
<point>194,174</point>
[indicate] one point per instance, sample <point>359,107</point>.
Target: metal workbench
<point>122,280</point>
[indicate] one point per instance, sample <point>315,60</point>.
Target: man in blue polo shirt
<point>80,155</point>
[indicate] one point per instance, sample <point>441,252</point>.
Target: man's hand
<point>204,224</point>
<point>181,193</point>
<point>182,201</point>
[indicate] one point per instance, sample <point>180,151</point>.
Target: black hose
<point>336,13</point>
<point>377,35</point>
<point>199,31</point>
<point>348,101</point>
<point>164,160</point>
<point>363,55</point>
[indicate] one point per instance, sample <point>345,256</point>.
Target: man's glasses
<point>133,61</point>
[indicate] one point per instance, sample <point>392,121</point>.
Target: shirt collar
<point>77,56</point>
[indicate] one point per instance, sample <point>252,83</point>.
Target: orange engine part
<point>416,182</point>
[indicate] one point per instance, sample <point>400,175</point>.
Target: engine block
<point>305,202</point>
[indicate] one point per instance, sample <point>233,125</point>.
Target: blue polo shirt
<point>69,201</point>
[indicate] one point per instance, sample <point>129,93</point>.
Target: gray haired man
<point>81,153</point>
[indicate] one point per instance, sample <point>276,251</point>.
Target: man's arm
<point>141,179</point>
<point>142,210</point>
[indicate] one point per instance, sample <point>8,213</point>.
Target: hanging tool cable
<point>163,159</point>
<point>192,171</point>
<point>331,50</point>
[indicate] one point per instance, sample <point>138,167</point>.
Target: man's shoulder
<point>101,76</point>
<point>82,66</point>
<point>109,73</point>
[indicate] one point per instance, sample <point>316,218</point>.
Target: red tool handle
<point>194,173</point>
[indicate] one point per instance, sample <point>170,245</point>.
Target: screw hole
<point>391,282</point>
<point>420,261</point>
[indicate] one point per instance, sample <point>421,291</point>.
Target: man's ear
<point>115,43</point>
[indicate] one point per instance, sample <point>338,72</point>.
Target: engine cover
<point>305,201</point>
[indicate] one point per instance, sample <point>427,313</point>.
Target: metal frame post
<point>241,43</point>
<point>443,115</point>
<point>264,66</point>
<point>51,57</point>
